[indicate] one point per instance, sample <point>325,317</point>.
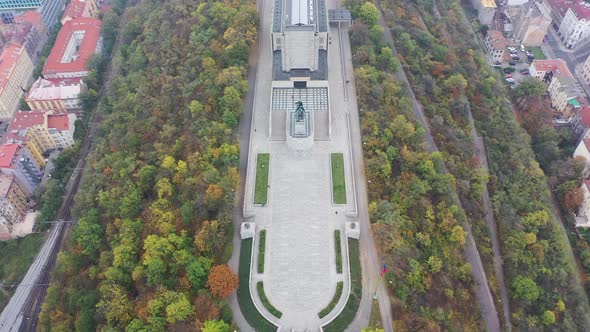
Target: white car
<point>510,48</point>
<point>522,48</point>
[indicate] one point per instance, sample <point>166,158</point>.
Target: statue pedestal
<point>353,230</point>
<point>247,230</point>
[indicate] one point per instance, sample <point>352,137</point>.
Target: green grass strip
<point>334,301</point>
<point>254,318</point>
<point>274,311</point>
<point>538,53</point>
<point>261,189</point>
<point>338,247</point>
<point>356,289</point>
<point>261,246</point>
<point>338,182</point>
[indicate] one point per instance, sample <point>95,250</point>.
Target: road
<point>482,289</point>
<point>244,142</point>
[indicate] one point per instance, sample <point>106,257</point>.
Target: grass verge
<point>338,247</point>
<point>334,301</point>
<point>15,260</point>
<point>261,189</point>
<point>338,182</point>
<point>254,318</point>
<point>261,246</point>
<point>356,291</point>
<point>538,53</point>
<point>375,317</point>
<point>274,311</point>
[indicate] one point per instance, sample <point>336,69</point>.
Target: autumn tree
<point>216,326</point>
<point>222,281</point>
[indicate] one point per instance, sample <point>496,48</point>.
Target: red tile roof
<point>32,17</point>
<point>557,66</point>
<point>8,60</point>
<point>7,152</point>
<point>585,116</point>
<point>497,39</point>
<point>58,121</point>
<point>20,123</point>
<point>580,9</point>
<point>91,26</point>
<point>75,9</point>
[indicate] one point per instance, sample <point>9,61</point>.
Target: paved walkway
<point>300,273</point>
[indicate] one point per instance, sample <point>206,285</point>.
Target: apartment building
<point>495,44</point>
<point>15,160</point>
<point>530,24</point>
<point>13,203</point>
<point>16,69</point>
<point>49,9</point>
<point>55,94</point>
<point>80,8</point>
<point>76,42</point>
<point>572,19</point>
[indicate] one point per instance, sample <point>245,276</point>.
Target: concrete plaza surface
<point>299,218</point>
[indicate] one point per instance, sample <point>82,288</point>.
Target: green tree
<point>525,288</point>
<point>528,87</point>
<point>548,317</point>
<point>180,309</point>
<point>369,14</point>
<point>197,272</point>
<point>216,326</point>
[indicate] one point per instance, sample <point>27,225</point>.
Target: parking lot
<point>522,63</point>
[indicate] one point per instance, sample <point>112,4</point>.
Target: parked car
<point>522,48</point>
<point>508,76</point>
<point>515,57</point>
<point>510,48</point>
<point>514,52</point>
<point>512,63</point>
<point>524,71</point>
<point>507,70</point>
<point>498,63</point>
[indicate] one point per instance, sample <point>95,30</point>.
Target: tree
<point>369,14</point>
<point>211,237</point>
<point>216,326</point>
<point>548,317</point>
<point>206,308</point>
<point>527,87</point>
<point>197,272</point>
<point>573,199</point>
<point>222,281</point>
<point>179,309</point>
<point>525,288</point>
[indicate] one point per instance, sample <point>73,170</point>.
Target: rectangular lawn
<point>261,189</point>
<point>338,183</point>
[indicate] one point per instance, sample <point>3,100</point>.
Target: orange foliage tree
<point>222,281</point>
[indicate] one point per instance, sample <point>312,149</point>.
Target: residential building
<point>530,24</point>
<point>15,160</point>
<point>16,69</point>
<point>585,71</point>
<point>55,94</point>
<point>572,19</point>
<point>76,42</point>
<point>583,217</point>
<point>79,9</point>
<point>57,132</point>
<point>495,44</point>
<point>486,9</point>
<point>49,9</point>
<point>581,123</point>
<point>27,30</point>
<point>564,90</point>
<point>13,204</point>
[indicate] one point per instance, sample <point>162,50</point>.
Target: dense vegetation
<point>451,83</point>
<point>415,218</point>
<point>156,200</point>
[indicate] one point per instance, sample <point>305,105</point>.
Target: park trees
<point>157,196</point>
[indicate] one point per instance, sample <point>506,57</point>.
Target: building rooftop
<point>5,183</point>
<point>7,153</point>
<point>8,60</point>
<point>22,121</point>
<point>83,35</point>
<point>55,89</point>
<point>557,66</point>
<point>488,3</point>
<point>74,9</point>
<point>299,13</point>
<point>32,17</point>
<point>58,121</point>
<point>497,39</point>
<point>580,8</point>
<point>585,116</point>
